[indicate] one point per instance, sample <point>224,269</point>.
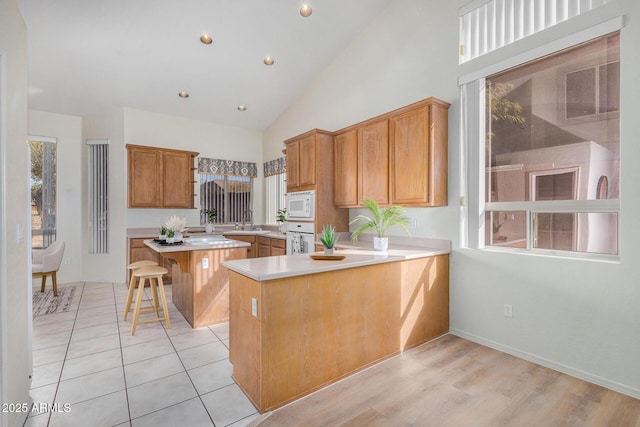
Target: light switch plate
<point>205,262</point>
<point>254,307</point>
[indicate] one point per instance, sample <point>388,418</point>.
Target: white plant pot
<point>208,228</point>
<point>170,240</point>
<point>380,243</point>
<point>329,251</point>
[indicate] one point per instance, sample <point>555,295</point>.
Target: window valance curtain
<point>227,167</point>
<point>275,167</point>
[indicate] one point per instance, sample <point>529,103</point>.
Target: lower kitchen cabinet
<point>271,246</point>
<point>252,251</point>
<point>138,251</point>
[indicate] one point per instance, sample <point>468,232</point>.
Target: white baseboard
<point>586,376</point>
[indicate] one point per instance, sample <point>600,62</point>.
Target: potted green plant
<point>281,218</point>
<point>163,233</point>
<point>380,220</point>
<point>328,239</point>
<point>212,214</point>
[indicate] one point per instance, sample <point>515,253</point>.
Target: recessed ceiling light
<point>183,95</point>
<point>268,60</point>
<point>206,39</point>
<point>306,10</point>
<point>242,108</point>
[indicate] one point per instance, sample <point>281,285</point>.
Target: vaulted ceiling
<point>87,57</point>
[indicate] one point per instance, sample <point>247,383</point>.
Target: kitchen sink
<point>246,232</point>
<point>207,240</point>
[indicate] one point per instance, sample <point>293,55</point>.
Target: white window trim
<point>473,205</point>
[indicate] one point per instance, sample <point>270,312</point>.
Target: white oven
<point>301,205</point>
<point>300,237</point>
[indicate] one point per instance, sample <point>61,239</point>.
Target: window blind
<point>486,25</point>
<point>99,195</point>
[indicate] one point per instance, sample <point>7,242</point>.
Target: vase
<point>283,228</point>
<point>177,237</point>
<point>329,251</point>
<point>208,228</point>
<point>380,243</point>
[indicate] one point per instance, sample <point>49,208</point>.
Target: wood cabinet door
<point>278,247</point>
<point>293,150</point>
<point>252,251</point>
<point>177,179</point>
<point>345,169</point>
<point>409,157</point>
<point>373,162</point>
<point>144,188</point>
<point>307,161</point>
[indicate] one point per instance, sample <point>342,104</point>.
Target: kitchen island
<point>200,284</point>
<point>298,324</point>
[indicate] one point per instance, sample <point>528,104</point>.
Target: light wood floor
<point>454,382</point>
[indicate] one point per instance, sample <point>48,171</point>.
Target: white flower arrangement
<point>176,224</point>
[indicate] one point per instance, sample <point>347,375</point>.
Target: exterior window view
<point>553,151</point>
<point>43,193</point>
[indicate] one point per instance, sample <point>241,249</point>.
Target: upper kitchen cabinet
<point>367,148</point>
<point>418,154</point>
<point>306,159</point>
<point>310,167</point>
<point>160,177</point>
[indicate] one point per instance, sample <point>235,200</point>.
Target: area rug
<point>46,303</point>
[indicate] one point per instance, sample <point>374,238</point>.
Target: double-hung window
<point>275,188</point>
<point>43,152</point>
<point>543,147</point>
<point>226,187</point>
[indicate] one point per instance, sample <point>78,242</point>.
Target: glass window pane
<point>553,127</point>
<point>581,93</point>
<point>609,87</point>
<point>505,229</point>
<point>581,232</point>
<point>43,193</point>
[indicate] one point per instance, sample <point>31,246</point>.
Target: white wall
<point>577,316</point>
<point>68,132</point>
<point>15,334</point>
<point>106,267</point>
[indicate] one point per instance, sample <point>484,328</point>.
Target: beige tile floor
<point>87,360</point>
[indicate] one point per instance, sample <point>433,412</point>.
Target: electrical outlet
<point>254,307</point>
<point>205,262</point>
<point>67,261</point>
<point>413,223</point>
<point>508,310</point>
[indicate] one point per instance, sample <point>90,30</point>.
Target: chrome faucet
<point>248,213</point>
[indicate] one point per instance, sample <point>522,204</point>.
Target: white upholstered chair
<point>46,262</point>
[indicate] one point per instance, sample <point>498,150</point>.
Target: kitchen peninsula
<point>200,286</point>
<point>298,324</point>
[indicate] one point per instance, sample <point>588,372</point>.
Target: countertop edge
<point>255,268</point>
<point>188,248</point>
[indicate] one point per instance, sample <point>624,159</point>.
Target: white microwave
<point>301,205</point>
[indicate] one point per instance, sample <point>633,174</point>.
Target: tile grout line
<point>124,375</point>
<point>75,318</point>
<point>186,371</point>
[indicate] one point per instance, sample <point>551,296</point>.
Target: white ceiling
<point>87,57</point>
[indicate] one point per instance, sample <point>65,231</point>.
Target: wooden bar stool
<point>154,274</point>
<point>132,283</point>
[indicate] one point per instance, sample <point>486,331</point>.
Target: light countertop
<point>277,267</point>
<point>185,246</point>
<point>152,233</point>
